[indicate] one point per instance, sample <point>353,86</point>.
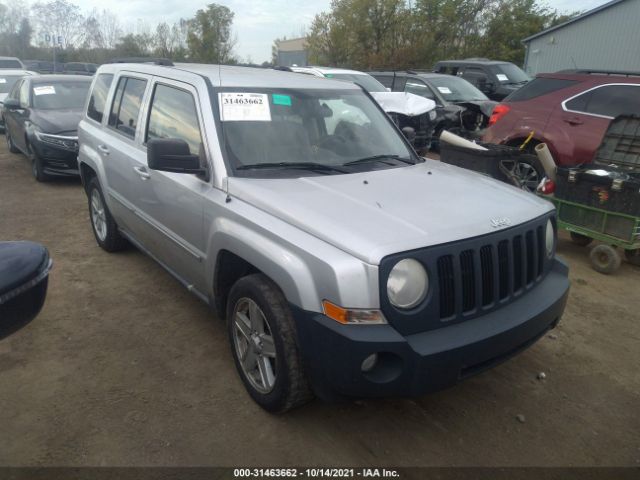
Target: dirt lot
<point>125,367</point>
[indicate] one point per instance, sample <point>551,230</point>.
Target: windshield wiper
<point>379,158</point>
<point>318,167</point>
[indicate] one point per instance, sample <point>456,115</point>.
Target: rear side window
<point>609,100</point>
<point>173,115</point>
<point>538,87</point>
<point>126,105</point>
<point>98,98</point>
<point>10,64</point>
<point>386,80</point>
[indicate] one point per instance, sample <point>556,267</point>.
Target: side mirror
<point>172,155</point>
<point>11,103</point>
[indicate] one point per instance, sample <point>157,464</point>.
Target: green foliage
<point>403,34</point>
<point>209,38</point>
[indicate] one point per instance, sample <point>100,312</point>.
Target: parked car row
<point>45,66</point>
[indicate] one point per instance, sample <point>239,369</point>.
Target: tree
<point>209,37</point>
<point>60,18</point>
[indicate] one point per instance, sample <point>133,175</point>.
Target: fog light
<point>369,362</point>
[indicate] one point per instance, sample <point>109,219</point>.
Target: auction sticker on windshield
<point>44,90</point>
<point>502,77</point>
<point>444,90</point>
<point>244,107</point>
<point>3,80</point>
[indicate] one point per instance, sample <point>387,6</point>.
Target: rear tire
<point>10,145</point>
<point>633,256</point>
<point>580,239</point>
<point>103,225</point>
<point>604,259</point>
<point>263,340</point>
<point>527,174</point>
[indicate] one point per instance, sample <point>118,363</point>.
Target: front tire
<point>37,168</point>
<point>263,341</point>
<point>10,145</point>
<point>103,225</point>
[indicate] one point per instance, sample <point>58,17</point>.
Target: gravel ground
<point>125,367</point>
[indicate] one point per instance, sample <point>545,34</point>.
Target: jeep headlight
<point>549,239</point>
<point>407,284</point>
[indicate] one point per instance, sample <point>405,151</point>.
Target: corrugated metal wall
<point>609,39</point>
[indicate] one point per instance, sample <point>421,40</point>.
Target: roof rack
<point>155,61</point>
<point>589,71</point>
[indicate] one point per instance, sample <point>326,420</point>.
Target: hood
<point>57,121</point>
<point>403,103</point>
<point>485,106</point>
<point>395,210</point>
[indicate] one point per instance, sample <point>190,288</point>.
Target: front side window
<point>126,105</point>
<point>418,88</point>
<point>24,94</point>
<point>60,95</point>
<point>98,98</point>
<point>273,132</point>
<point>173,115</point>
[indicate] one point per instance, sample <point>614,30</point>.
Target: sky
<point>257,23</point>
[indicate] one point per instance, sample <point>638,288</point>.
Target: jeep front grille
<point>479,277</point>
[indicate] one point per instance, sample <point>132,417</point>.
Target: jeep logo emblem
<point>500,222</point>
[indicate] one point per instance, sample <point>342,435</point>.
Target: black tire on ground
<point>37,168</point>
<point>291,387</point>
<point>604,259</point>
<point>111,240</point>
<point>10,145</point>
<point>579,239</point>
<point>633,256</point>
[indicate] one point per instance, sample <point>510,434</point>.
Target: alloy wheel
<point>254,345</point>
<point>98,215</point>
<point>527,176</point>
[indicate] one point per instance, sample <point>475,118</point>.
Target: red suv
<point>569,111</point>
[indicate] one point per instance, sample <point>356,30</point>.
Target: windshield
<point>509,73</point>
<point>367,82</point>
<point>456,89</point>
<point>6,82</point>
<point>320,131</point>
<point>60,95</point>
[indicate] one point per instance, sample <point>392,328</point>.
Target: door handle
<point>573,121</point>
<point>142,172</point>
<point>103,149</point>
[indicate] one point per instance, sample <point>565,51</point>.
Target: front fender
<point>307,269</point>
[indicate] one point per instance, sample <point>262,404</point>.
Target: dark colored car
<point>460,107</point>
<point>494,78</point>
<point>569,111</point>
<point>42,66</point>
<point>80,68</point>
<point>8,78</point>
<point>24,275</point>
<point>41,118</point>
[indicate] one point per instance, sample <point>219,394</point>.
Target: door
<point>172,204</point>
<point>584,119</point>
<point>118,145</point>
<point>15,118</point>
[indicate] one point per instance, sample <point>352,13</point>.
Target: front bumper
<point>56,161</point>
<point>427,361</point>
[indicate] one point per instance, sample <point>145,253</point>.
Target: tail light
<point>547,187</point>
<point>499,111</point>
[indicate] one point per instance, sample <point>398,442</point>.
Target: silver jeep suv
<point>344,264</point>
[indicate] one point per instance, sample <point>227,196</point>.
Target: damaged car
<point>460,107</point>
<point>413,114</point>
